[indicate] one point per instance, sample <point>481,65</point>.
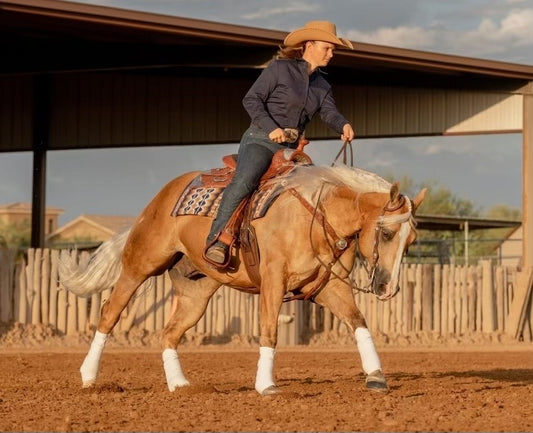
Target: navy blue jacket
<point>286,96</point>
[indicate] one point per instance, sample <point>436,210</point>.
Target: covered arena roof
<point>92,66</point>
<point>44,36</point>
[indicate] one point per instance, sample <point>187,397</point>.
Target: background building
<point>20,213</point>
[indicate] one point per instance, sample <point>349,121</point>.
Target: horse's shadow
<point>306,381</point>
<point>522,375</point>
<point>519,376</point>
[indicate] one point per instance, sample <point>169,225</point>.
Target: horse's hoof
<point>176,386</point>
<point>271,390</point>
<point>377,386</point>
<point>88,384</point>
<point>375,381</point>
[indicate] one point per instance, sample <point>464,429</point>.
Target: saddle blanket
<point>197,199</point>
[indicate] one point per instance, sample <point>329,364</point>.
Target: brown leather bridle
<point>339,246</point>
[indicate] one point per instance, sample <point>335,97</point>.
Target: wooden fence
<point>446,300</point>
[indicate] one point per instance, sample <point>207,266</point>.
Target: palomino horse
<point>322,219</point>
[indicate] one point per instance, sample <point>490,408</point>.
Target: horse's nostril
<point>379,288</point>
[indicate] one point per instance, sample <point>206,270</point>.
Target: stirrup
<point>217,254</point>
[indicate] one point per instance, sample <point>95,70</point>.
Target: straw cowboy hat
<point>316,31</point>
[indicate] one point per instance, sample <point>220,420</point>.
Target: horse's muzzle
<point>387,293</point>
<point>382,285</point>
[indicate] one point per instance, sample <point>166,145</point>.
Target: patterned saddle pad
<point>198,199</point>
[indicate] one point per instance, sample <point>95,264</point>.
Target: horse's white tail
<point>100,273</point>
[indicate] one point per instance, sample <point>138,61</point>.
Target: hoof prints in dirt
<point>103,388</point>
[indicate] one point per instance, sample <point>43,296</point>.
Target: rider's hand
<point>348,133</point>
<point>278,135</point>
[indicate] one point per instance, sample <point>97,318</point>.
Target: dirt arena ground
<point>460,388</point>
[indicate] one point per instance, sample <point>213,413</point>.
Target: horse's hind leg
<point>191,298</point>
<point>110,314</point>
<point>338,298</point>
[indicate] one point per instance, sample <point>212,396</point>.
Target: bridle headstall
<point>340,245</point>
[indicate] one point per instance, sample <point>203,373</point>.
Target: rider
<point>281,102</point>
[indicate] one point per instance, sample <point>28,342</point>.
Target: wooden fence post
<point>500,297</point>
<point>82,303</point>
<point>444,322</point>
<point>417,298</point>
<point>488,312</point>
<point>520,308</point>
<point>7,267</point>
<point>62,304</point>
<point>452,312</point>
<point>20,292</point>
<point>44,272</point>
<point>34,256</point>
<point>427,297</point>
<point>54,281</point>
<point>72,305</point>
<point>410,300</point>
<point>479,290</point>
<point>437,298</point>
<point>462,296</point>
<point>472,298</point>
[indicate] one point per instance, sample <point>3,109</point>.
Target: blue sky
<point>484,169</point>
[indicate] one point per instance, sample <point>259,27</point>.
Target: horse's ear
<point>394,192</point>
<point>419,199</point>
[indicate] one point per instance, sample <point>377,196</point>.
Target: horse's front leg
<point>338,298</point>
<point>271,298</point>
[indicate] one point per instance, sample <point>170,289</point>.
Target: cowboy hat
<point>316,31</point>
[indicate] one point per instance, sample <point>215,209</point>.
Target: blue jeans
<point>254,157</point>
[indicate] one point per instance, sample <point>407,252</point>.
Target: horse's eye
<point>387,235</point>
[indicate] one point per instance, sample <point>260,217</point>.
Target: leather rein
<point>340,245</point>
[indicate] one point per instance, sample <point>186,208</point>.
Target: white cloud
<point>288,8</point>
<point>403,36</point>
<point>437,148</point>
<point>515,29</point>
<point>495,36</point>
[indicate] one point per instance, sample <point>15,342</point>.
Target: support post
<point>41,132</point>
<point>527,178</point>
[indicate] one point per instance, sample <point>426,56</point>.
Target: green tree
<point>490,239</point>
<point>503,212</point>
<point>15,234</point>
<point>440,201</point>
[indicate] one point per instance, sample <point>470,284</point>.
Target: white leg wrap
<point>265,369</point>
<point>367,350</point>
<point>173,371</point>
<point>91,364</point>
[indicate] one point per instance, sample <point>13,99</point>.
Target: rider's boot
<point>217,252</point>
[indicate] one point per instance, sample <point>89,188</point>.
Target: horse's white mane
<point>313,182</point>
<point>308,179</point>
